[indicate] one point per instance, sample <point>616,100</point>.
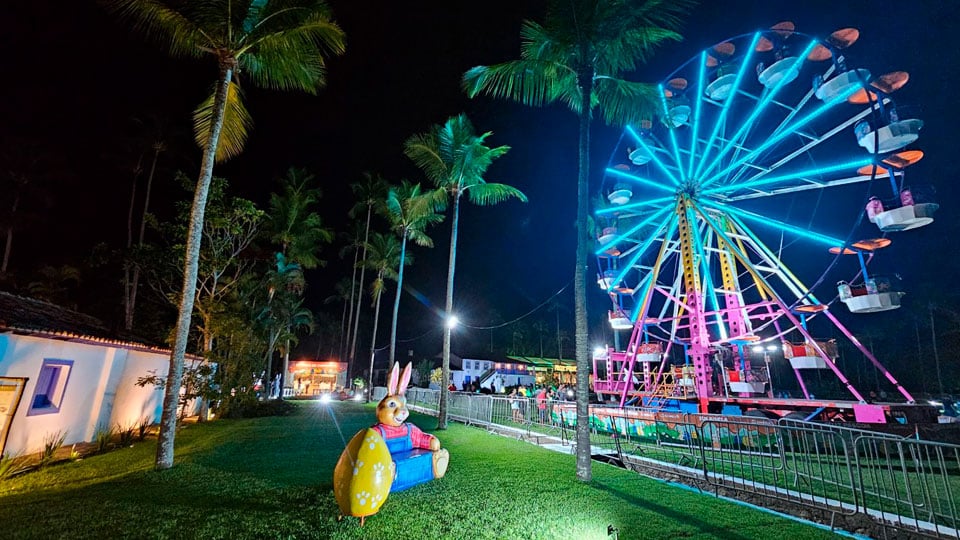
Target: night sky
<point>74,78</point>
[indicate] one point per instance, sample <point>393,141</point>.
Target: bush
<point>127,434</point>
<point>51,443</point>
<point>245,407</point>
<point>10,465</point>
<point>102,438</point>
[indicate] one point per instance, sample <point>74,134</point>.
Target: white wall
<point>100,391</point>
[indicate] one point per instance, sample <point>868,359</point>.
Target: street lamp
<point>452,322</point>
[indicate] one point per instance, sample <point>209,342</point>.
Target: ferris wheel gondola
<point>691,202</point>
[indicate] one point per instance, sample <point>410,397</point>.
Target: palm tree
<point>578,57</point>
<point>294,226</point>
<point>155,134</point>
<point>370,193</point>
<point>278,44</point>
<point>383,258</point>
<point>341,293</point>
<point>454,158</point>
<point>282,310</point>
<point>410,212</point>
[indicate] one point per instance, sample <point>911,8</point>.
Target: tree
<point>383,257</point>
<point>370,193</point>
<point>282,311</point>
<point>297,229</point>
<point>578,57</point>
<point>294,226</point>
<point>455,159</point>
<point>154,133</point>
<point>278,44</point>
<point>409,212</point>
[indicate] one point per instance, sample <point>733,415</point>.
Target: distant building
<point>563,371</point>
<point>65,372</point>
<point>312,377</point>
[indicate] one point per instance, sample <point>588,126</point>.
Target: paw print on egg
<point>371,441</point>
<point>362,497</point>
<point>357,467</point>
<point>375,501</point>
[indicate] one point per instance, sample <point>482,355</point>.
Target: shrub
<point>142,428</point>
<point>51,443</point>
<point>241,407</point>
<point>102,439</point>
<point>126,434</point>
<point>10,465</point>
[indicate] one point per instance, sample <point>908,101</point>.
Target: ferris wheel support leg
<point>876,363</point>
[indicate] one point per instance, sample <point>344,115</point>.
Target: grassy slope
<point>269,478</point>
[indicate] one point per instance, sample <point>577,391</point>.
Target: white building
<point>60,373</point>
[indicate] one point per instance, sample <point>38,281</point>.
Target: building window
<point>51,385</point>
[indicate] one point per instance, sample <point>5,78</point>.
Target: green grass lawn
<point>272,478</point>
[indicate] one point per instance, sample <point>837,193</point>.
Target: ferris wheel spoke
<point>701,76</point>
<point>796,126</point>
<point>632,206</point>
<point>776,265</point>
<point>727,103</point>
<point>653,154</point>
<point>779,225</point>
<point>807,187</point>
<point>798,176</point>
<point>815,142</point>
<point>639,251</point>
<point>806,98</point>
<point>673,134</point>
<point>640,180</point>
<point>768,96</point>
<point>619,238</point>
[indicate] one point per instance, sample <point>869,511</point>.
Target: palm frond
<point>164,24</point>
<point>491,194</point>
<point>626,102</point>
<point>293,58</point>
<point>424,151</point>
<point>524,81</point>
<point>236,123</point>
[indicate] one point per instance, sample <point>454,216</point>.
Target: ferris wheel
<point>704,210</point>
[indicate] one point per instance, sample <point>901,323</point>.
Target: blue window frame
<point>51,386</point>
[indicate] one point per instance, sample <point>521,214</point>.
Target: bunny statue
<point>387,457</point>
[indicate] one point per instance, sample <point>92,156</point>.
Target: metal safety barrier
<point>901,483</point>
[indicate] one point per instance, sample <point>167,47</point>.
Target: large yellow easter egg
<point>363,475</point>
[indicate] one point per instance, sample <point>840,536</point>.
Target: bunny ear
<point>394,376</point>
<point>405,379</point>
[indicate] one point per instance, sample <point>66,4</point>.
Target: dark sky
<point>74,78</point>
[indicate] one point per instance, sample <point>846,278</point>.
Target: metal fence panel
<point>910,483</point>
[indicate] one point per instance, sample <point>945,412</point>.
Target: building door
<point>11,390</point>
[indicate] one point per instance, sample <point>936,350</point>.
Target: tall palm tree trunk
<point>451,268</point>
<point>286,366</point>
<point>127,266</point>
<point>356,321</point>
<point>135,283</point>
<point>343,327</point>
<point>345,346</point>
<point>396,301</point>
<point>373,342</point>
<point>171,393</point>
<point>8,246</point>
<point>584,472</point>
